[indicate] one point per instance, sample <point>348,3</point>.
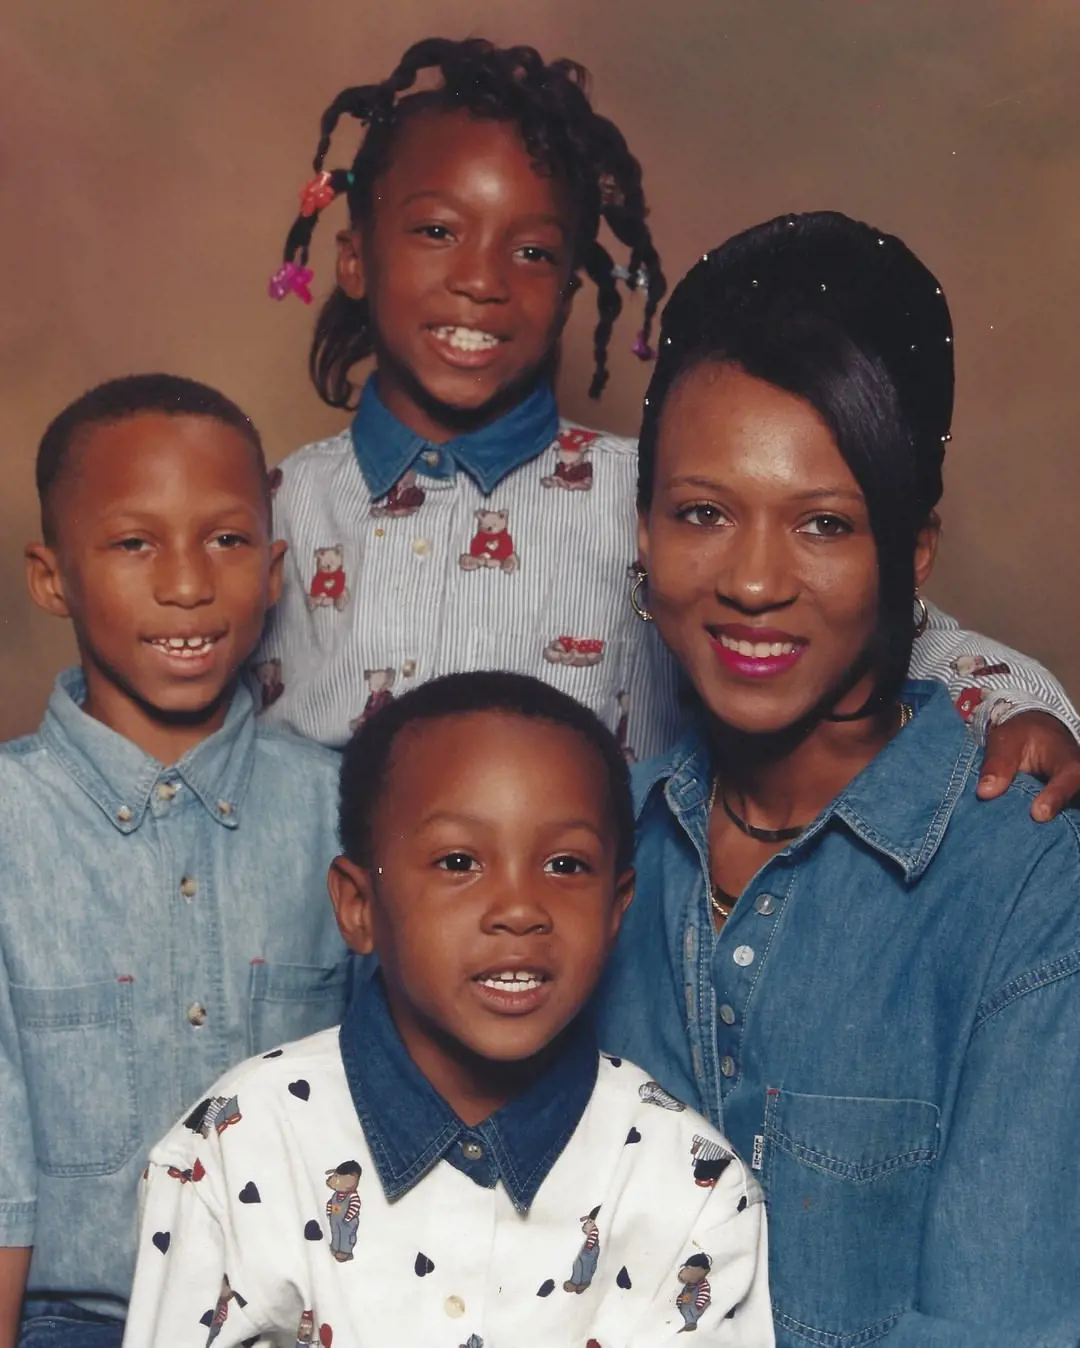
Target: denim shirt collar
<point>409,1127</point>
<point>878,805</point>
<point>385,448</point>
<point>120,778</point>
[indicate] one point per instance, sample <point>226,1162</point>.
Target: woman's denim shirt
<point>888,1027</point>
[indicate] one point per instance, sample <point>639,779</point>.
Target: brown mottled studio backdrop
<point>151,152</point>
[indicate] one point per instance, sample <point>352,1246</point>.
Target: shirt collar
<point>385,448</point>
<point>120,778</point>
<point>879,806</point>
<point>409,1127</point>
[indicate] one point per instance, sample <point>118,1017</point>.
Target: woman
<point>866,976</point>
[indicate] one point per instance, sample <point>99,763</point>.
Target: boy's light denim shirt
<point>157,925</point>
<point>888,1028</point>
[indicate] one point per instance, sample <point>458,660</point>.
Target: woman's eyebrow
<point>830,493</point>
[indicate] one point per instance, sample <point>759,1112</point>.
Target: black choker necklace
<point>775,835</point>
<point>765,835</point>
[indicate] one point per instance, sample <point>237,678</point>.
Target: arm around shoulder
<point>991,681</point>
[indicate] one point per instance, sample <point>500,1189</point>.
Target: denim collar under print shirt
<point>888,1028</point>
<point>157,925</point>
<point>386,448</point>
<point>410,1127</point>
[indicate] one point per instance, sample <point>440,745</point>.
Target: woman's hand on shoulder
<point>1038,743</point>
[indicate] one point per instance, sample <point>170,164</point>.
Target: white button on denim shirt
<point>899,1059</point>
<point>150,939</point>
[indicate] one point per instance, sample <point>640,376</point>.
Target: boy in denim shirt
<point>163,908</point>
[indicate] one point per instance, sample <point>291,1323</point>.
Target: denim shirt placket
<point>714,1041</point>
<point>684,799</point>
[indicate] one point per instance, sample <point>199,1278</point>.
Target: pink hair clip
<point>316,194</point>
<point>291,278</point>
<point>641,348</point>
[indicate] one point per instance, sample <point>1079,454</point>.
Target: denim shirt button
<point>744,955</point>
<point>196,1014</point>
<point>727,1066</point>
<point>189,887</point>
<point>124,814</point>
<point>472,1151</point>
<point>727,1014</point>
<point>166,790</point>
<point>765,904</point>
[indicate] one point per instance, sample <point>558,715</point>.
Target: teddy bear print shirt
<point>325,1194</point>
<point>507,548</point>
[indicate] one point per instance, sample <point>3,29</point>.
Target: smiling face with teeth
<point>466,265</point>
<point>763,572</point>
<point>492,898</point>
<point>164,563</point>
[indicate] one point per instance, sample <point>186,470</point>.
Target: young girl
<point>458,523</point>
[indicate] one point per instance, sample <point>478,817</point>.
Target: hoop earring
<point>640,577</point>
<point>923,619</point>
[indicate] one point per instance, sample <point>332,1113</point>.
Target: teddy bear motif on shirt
<point>405,497</point>
<point>309,1334</point>
<point>268,677</point>
<point>694,1295</point>
<point>576,651</point>
<point>710,1160</point>
<point>573,471</point>
<point>328,588</point>
<point>977,667</point>
<point>216,1111</point>
<point>216,1318</point>
<point>588,1256</point>
<point>491,544</point>
<point>379,682</point>
<point>343,1208</point>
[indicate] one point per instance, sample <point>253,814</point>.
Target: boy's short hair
<point>367,755</point>
<point>167,394</point>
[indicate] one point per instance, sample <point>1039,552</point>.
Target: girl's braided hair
<point>563,136</point>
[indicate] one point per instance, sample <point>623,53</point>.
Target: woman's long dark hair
<point>848,319</point>
<point>549,104</point>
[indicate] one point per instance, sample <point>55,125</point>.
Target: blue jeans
<point>59,1324</point>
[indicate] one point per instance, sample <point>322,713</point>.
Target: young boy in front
<point>458,1165</point>
<point>162,857</point>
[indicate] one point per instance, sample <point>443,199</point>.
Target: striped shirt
<point>435,577</point>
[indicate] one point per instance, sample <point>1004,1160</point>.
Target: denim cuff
<point>17,1224</point>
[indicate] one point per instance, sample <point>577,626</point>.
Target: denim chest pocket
<point>847,1181</point>
<point>78,1052</point>
<point>291,1001</point>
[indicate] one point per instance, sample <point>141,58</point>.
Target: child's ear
<point>351,276</point>
<point>277,561</point>
<point>351,893</point>
<point>44,581</point>
<point>624,894</point>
